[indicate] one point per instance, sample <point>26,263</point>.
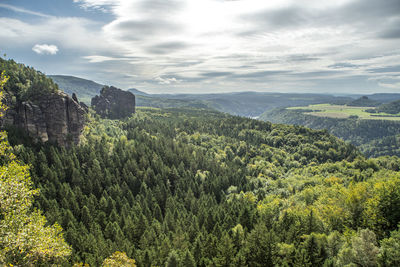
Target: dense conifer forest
<point>193,187</point>
<point>186,187</point>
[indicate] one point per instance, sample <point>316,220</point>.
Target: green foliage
<point>84,89</point>
<point>25,237</point>
<point>373,137</point>
<point>119,259</point>
<point>189,187</point>
<point>361,251</point>
<point>173,259</point>
<point>25,82</point>
<point>391,108</point>
<point>364,101</point>
<point>390,250</point>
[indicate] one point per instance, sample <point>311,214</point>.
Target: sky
<point>210,46</point>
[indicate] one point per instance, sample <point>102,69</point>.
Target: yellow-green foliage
<point>24,237</point>
<point>119,259</point>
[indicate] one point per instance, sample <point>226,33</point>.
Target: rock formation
<point>114,103</point>
<point>55,117</point>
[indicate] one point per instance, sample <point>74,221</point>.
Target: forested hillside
<point>186,187</point>
<point>25,82</point>
<point>84,89</point>
<point>373,137</point>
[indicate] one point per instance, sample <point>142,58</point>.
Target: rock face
<point>114,103</point>
<point>55,117</point>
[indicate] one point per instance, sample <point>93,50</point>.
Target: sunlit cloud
<point>45,49</point>
<point>223,45</point>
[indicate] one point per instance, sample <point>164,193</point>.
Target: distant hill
<point>253,104</point>
<point>373,137</point>
<point>384,97</point>
<point>136,92</point>
<point>84,89</point>
<point>391,108</point>
<point>364,101</point>
<point>248,104</point>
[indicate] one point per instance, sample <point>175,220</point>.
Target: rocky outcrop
<point>114,103</point>
<point>55,117</point>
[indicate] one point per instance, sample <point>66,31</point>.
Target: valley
<point>197,186</point>
<point>344,112</point>
<point>214,133</point>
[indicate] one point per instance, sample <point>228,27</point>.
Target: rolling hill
<point>247,104</point>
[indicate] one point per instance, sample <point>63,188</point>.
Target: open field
<point>343,111</point>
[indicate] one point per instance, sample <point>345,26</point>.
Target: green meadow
<point>343,111</point>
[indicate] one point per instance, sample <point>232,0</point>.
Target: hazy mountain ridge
<point>248,104</point>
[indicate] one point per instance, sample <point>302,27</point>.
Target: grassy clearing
<point>343,111</point>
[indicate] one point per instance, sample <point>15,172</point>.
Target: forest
<point>372,137</point>
<point>187,187</point>
<point>25,82</point>
<point>194,187</point>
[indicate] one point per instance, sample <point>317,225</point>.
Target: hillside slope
<point>373,137</point>
<point>206,188</point>
<point>84,89</point>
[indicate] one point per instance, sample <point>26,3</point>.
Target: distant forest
<point>373,137</point>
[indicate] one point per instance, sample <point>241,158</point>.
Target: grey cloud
<point>166,48</point>
<point>279,18</point>
<point>317,74</point>
<point>364,9</point>
<point>385,69</point>
<point>183,63</point>
<point>300,58</point>
<point>365,15</point>
<point>216,74</point>
<point>391,34</point>
<point>291,16</point>
<point>135,29</point>
<point>161,6</point>
<point>342,65</point>
<point>261,74</point>
<point>392,29</point>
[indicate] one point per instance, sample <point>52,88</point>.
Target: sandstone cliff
<point>54,117</point>
<point>114,103</point>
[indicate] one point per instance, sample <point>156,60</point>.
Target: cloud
<point>216,74</point>
<point>219,44</point>
<point>343,65</point>
<point>45,49</point>
<point>98,59</point>
<point>167,80</point>
<point>390,85</point>
<point>96,4</point>
<point>23,10</point>
<point>261,74</point>
<point>166,48</point>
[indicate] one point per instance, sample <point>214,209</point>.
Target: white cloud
<point>45,49</point>
<point>23,10</point>
<point>171,80</point>
<point>98,59</point>
<point>229,45</point>
<point>390,85</point>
